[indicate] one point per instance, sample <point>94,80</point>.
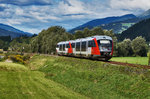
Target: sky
<point>35,15</point>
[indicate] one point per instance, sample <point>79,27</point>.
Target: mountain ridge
<point>118,26</point>
<point>12,29</point>
<point>107,20</point>
<point>138,29</point>
<point>6,30</point>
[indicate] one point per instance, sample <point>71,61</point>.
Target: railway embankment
<point>94,79</point>
<point>51,76</point>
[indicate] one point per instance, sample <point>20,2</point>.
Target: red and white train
<point>96,47</point>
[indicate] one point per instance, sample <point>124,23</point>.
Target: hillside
<point>145,14</point>
<point>9,33</point>
<point>19,82</point>
<point>55,77</point>
<point>95,79</point>
<point>104,21</point>
<point>140,29</point>
<point>119,27</point>
<point>6,30</point>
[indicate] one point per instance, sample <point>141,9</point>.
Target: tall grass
<point>96,79</point>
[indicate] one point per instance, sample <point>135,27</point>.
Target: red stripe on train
<point>70,50</point>
<point>95,50</point>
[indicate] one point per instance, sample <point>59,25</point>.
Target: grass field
<point>49,77</point>
<point>18,82</point>
<point>96,79</point>
<point>133,60</point>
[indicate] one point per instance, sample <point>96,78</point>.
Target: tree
<point>1,44</point>
<point>47,40</point>
<point>125,48</point>
<point>139,46</point>
<point>79,34</point>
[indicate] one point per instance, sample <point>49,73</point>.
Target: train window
<point>60,47</point>
<point>57,46</point>
<point>73,45</point>
<point>91,43</point>
<point>63,47</point>
<point>78,46</point>
<point>83,46</point>
<point>67,45</point>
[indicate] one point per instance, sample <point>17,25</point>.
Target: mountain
<point>119,27</point>
<point>146,14</point>
<point>117,24</point>
<point>6,30</point>
<point>102,22</point>
<point>12,29</point>
<point>140,29</point>
<point>9,33</point>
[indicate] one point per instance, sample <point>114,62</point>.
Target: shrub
<point>139,46</point>
<point>19,58</point>
<point>26,57</point>
<point>125,48</point>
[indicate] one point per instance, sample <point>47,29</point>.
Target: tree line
<point>136,47</point>
<point>45,42</point>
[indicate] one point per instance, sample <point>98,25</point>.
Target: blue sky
<point>35,15</point>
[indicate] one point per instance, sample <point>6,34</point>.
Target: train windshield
<point>105,45</point>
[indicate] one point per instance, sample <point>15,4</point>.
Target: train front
<point>106,47</point>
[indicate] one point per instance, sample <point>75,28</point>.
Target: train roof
<point>98,37</point>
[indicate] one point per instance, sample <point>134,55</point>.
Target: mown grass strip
<point>132,60</point>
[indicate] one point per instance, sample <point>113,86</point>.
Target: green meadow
<point>53,77</point>
<point>132,60</point>
<point>18,82</point>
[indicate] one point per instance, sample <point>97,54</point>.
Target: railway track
<point>129,64</point>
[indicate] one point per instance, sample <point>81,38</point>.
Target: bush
<point>139,46</point>
<point>125,48</point>
<point>19,58</point>
<point>26,57</point>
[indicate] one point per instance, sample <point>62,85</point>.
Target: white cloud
<point>74,7</point>
<point>31,30</point>
<point>67,13</point>
<point>130,4</point>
